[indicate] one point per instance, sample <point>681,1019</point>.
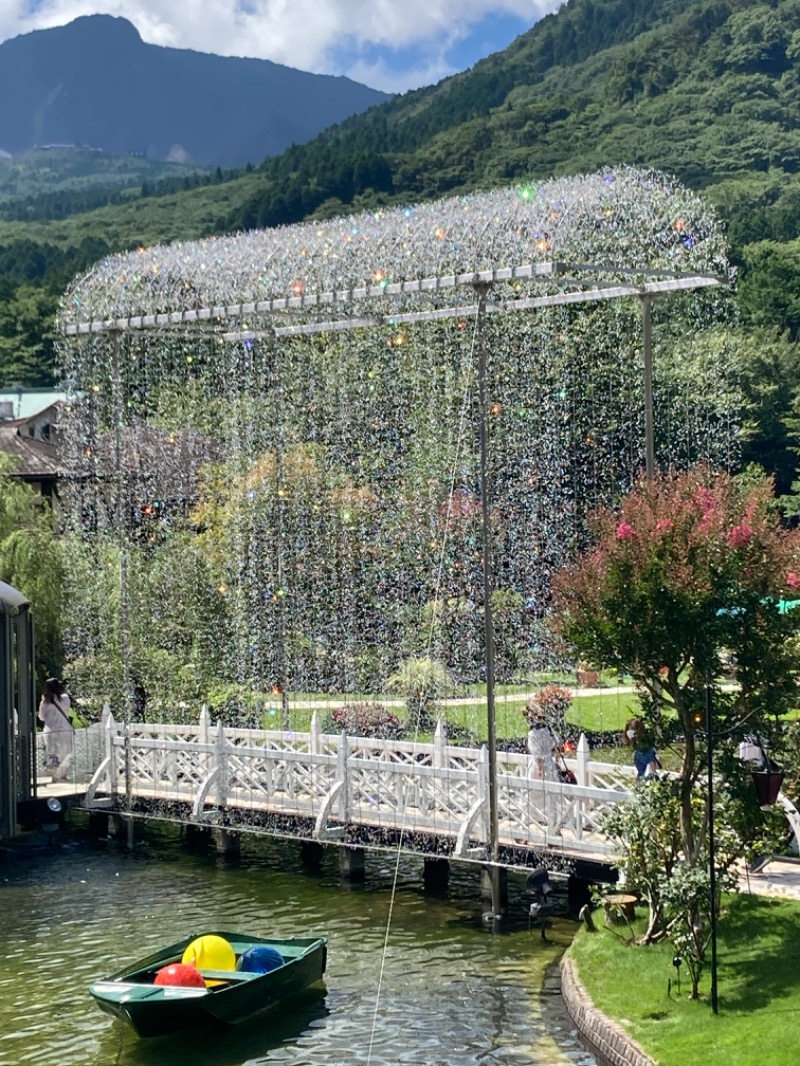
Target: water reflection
<point>436,989</point>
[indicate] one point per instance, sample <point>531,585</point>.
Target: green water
<point>410,979</point>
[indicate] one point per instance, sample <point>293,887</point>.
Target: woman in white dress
<point>54,711</point>
<point>542,745</point>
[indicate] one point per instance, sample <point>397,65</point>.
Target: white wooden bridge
<point>337,788</point>
<point>361,791</point>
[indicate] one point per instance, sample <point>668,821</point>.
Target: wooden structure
<point>17,707</point>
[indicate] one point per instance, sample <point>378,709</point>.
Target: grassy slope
<point>36,173</point>
<point>758,981</point>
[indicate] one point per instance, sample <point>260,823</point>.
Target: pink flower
<point>625,532</point>
<point>740,536</point>
<point>792,580</point>
<point>665,525</point>
<point>707,499</point>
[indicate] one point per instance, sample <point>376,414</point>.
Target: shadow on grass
<point>758,953</point>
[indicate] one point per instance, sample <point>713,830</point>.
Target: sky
<point>393,45</point>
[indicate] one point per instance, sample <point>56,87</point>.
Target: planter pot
<point>587,678</point>
<point>768,785</point>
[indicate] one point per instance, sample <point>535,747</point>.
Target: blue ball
<point>259,959</point>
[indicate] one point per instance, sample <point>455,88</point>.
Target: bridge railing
<point>335,781</point>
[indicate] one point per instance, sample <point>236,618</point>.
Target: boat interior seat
<point>228,975</point>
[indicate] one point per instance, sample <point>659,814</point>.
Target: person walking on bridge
<point>54,711</point>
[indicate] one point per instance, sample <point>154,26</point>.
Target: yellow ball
<point>210,953</point>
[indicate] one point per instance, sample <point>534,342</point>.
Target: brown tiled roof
<point>156,462</point>
<point>36,459</point>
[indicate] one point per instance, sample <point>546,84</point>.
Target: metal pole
<point>712,858</point>
<point>123,506</point>
<point>647,347</point>
<point>279,520</point>
<point>488,583</point>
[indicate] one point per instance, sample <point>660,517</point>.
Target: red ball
<point>178,973</point>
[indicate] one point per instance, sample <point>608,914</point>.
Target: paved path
<point>781,877</point>
<point>458,701</point>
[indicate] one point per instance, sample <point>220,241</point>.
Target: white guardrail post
<point>439,756</point>
<point>582,757</point>
<point>111,755</point>
<point>483,791</point>
<point>315,735</point>
<point>222,765</point>
<point>342,771</point>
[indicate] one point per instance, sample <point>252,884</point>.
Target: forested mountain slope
<point>708,90</point>
<point>704,89</point>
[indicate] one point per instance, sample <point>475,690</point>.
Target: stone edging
<point>606,1039</point>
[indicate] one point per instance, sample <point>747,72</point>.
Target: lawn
<point>758,985</point>
<point>603,712</point>
<point>591,713</point>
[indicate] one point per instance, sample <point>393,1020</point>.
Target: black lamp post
<point>712,855</point>
<point>767,783</point>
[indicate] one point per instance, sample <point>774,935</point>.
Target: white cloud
<point>323,36</point>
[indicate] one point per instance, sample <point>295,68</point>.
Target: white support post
<point>583,756</point>
<point>111,755</point>
<point>126,737</point>
<point>315,735</point>
<point>204,736</point>
<point>440,746</point>
<point>483,790</point>
<point>222,765</point>
<point>344,795</point>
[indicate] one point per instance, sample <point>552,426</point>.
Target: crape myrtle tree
<point>693,567</point>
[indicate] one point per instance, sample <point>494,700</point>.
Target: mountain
<point>95,83</point>
<point>708,90</point>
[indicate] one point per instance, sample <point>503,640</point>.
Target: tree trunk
<point>687,790</point>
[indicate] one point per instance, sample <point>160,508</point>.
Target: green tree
<point>691,566</point>
<point>27,333</point>
<point>769,291</point>
<point>31,561</point>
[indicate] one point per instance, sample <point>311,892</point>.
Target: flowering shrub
<point>551,703</point>
<point>367,720</point>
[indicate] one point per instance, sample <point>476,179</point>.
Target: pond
<point>410,979</point>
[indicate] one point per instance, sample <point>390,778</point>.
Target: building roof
<point>29,402</point>
<point>36,459</point>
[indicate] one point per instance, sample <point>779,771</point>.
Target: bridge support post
<point>486,887</point>
<point>227,844</point>
<point>311,853</point>
<point>579,893</point>
<point>120,827</point>
<point>436,876</point>
<point>351,864</point>
<point>196,836</point>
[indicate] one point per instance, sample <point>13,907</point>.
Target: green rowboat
<point>233,996</point>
